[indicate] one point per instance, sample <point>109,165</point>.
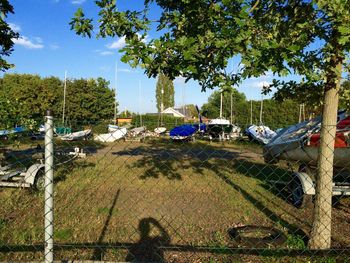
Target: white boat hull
<point>309,156</point>
<point>76,135</point>
<point>160,130</point>
<point>111,137</point>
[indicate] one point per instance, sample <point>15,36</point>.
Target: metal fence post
<point>49,186</point>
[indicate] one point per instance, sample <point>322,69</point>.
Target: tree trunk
<point>321,229</point>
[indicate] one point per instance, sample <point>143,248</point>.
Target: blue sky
<point>48,47</point>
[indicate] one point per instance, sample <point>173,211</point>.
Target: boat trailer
<point>34,176</point>
<point>302,186</point>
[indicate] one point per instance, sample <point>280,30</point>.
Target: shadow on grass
<point>169,160</point>
<point>98,252</point>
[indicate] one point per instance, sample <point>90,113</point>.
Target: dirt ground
<point>161,201</point>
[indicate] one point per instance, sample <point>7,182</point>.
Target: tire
<point>39,182</point>
<point>274,236</point>
<point>298,198</point>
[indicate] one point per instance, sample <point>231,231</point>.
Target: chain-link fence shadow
<point>177,192</point>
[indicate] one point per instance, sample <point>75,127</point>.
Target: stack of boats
<point>300,142</point>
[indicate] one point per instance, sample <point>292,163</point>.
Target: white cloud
<point>119,43</point>
<point>27,43</point>
<point>15,27</point>
<point>258,84</point>
<point>77,2</point>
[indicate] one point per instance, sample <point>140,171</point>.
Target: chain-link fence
<point>189,193</point>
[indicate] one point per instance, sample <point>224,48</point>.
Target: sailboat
<point>219,127</point>
<point>187,131</point>
<point>137,131</point>
<point>65,133</point>
<point>114,131</point>
<point>160,129</point>
<point>259,133</point>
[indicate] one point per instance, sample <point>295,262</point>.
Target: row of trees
<point>25,97</point>
<point>275,114</point>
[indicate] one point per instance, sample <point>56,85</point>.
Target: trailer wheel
<point>39,182</point>
<point>298,198</point>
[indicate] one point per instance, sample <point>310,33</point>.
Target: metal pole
<point>221,105</point>
<point>161,107</point>
<point>140,112</point>
<point>49,187</point>
<point>64,96</point>
<point>251,112</point>
<point>231,109</point>
<point>115,92</point>
<point>261,110</point>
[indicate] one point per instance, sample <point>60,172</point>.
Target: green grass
<point>190,194</point>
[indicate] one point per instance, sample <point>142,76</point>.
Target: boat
<point>236,132</point>
<point>112,136</point>
<point>186,131</point>
<point>4,133</point>
<point>76,135</point>
<point>160,130</point>
<point>137,131</point>
<point>112,128</point>
<point>260,133</point>
<point>300,143</point>
<point>218,128</point>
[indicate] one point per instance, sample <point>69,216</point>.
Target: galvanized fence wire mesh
<point>193,195</point>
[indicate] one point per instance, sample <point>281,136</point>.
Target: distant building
<point>173,112</point>
<point>123,121</point>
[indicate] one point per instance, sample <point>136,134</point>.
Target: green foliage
<point>167,97</point>
<point>24,99</point>
<point>151,121</point>
<point>276,114</point>
<point>7,35</point>
<point>296,242</point>
<point>344,102</point>
<point>191,110</point>
<point>197,38</point>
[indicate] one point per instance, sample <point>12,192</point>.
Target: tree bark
<point>321,230</point>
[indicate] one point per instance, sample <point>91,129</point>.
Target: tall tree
<point>197,38</point>
<point>211,109</point>
<point>7,35</point>
<point>164,92</point>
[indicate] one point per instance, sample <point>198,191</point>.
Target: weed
<point>295,242</point>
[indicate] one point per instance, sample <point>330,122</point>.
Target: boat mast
<point>221,105</point>
<point>140,103</point>
<point>231,109</point>
<point>261,110</point>
<point>161,107</point>
<point>115,92</point>
<point>251,112</point>
<point>64,96</point>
